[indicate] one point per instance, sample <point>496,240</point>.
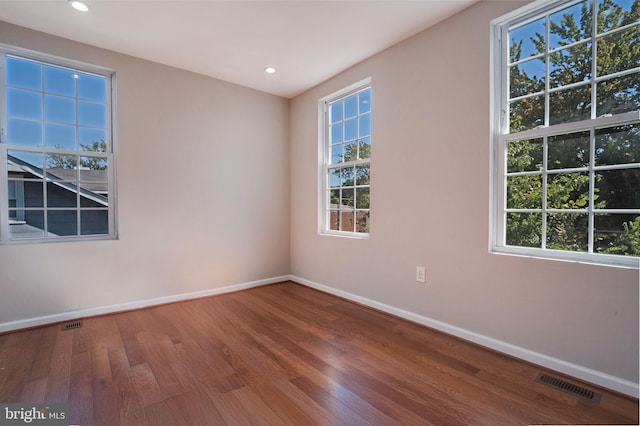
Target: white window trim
<point>498,137</point>
<point>323,161</point>
<point>110,76</point>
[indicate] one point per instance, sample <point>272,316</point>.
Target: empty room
<point>319,212</point>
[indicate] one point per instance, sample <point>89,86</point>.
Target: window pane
<point>524,192</point>
<point>59,81</point>
<point>26,74</point>
<point>24,132</point>
<point>24,104</point>
<point>364,148</point>
<point>568,191</point>
<point>15,195</point>
<point>61,194</point>
<point>568,151</point>
<point>94,192</point>
<point>570,25</point>
<point>92,87</point>
<point>351,151</point>
<point>527,40</point>
<point>618,189</point>
<point>609,17</point>
<point>33,228</point>
<point>92,114</point>
<point>350,129</point>
<point>62,222</point>
<point>524,155</point>
<point>363,173</point>
<point>362,221</point>
<point>334,197</point>
<point>57,108</point>
<point>347,221</point>
<point>618,145</point>
<point>33,194</point>
<point>617,234</point>
<point>336,154</point>
<point>618,95</point>
<point>334,178</point>
<point>94,222</point>
<point>571,65</point>
<point>336,112</point>
<point>351,106</point>
<point>365,101</point>
<point>25,158</point>
<point>57,162</point>
<point>336,133</point>
<point>347,176</point>
<point>347,197</point>
<point>93,166</point>
<point>618,52</point>
<point>364,125</point>
<point>60,136</point>
<point>362,198</point>
<point>334,220</point>
<point>570,105</point>
<point>524,229</point>
<point>526,113</point>
<point>568,231</point>
<point>526,78</point>
<point>92,139</point>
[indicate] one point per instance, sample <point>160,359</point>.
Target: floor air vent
<point>71,325</point>
<point>568,387</point>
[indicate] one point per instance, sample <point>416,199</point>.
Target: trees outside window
<point>346,162</point>
<point>567,132</point>
<point>56,151</point>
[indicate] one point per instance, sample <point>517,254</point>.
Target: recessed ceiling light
<point>78,5</point>
<point>269,70</point>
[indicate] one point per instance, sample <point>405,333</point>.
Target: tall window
<point>567,131</point>
<point>56,153</point>
<point>346,161</point>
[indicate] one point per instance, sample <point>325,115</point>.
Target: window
<point>56,151</point>
<point>567,131</point>
<point>346,161</point>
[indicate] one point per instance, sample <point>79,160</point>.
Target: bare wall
<point>203,193</point>
<point>430,206</point>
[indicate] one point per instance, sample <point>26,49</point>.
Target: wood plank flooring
<point>281,354</point>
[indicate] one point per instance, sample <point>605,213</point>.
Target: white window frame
<point>109,75</point>
<point>324,156</point>
<point>500,135</point>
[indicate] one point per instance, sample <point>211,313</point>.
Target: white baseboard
<point>578,371</point>
<point>593,376</point>
<point>102,310</point>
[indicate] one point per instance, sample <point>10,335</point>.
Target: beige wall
<point>430,206</point>
<point>203,195</point>
<point>238,203</point>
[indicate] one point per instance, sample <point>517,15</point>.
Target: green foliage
<point>625,242</point>
<point>63,161</point>
<point>567,190</point>
<point>354,192</point>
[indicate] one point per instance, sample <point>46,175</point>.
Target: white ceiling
<point>307,41</point>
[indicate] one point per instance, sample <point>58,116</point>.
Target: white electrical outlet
<point>420,274</point>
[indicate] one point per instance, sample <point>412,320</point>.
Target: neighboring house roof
<point>92,180</point>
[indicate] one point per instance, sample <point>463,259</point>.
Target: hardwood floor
<point>281,354</point>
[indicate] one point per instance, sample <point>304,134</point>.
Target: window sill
<point>352,235</point>
<point>626,262</point>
